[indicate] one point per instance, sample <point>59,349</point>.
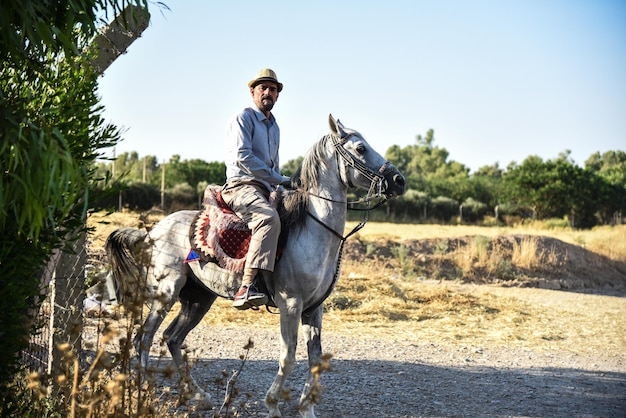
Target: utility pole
<point>113,164</point>
<point>119,196</point>
<point>163,186</point>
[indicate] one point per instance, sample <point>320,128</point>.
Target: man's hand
<point>286,183</point>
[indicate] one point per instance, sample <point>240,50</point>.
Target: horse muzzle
<point>394,182</point>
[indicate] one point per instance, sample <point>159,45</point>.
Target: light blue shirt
<point>252,143</point>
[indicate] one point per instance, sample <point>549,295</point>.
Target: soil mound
<point>509,260</point>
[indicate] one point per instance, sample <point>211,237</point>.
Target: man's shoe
<point>248,297</point>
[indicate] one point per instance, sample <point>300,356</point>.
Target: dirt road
<point>378,375</point>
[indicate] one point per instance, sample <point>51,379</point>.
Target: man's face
<point>265,94</point>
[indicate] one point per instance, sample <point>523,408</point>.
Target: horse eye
<point>360,148</point>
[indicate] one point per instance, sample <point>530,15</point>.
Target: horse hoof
<point>202,401</point>
<point>307,413</point>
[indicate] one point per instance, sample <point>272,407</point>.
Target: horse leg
<point>163,298</point>
<point>144,338</point>
<point>289,323</point>
<point>312,329</point>
<point>195,303</point>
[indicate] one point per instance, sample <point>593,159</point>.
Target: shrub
<point>444,208</point>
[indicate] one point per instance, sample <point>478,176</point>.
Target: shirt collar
<point>260,115</point>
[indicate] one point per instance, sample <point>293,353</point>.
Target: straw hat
<point>265,75</point>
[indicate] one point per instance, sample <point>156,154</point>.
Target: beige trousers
<point>251,203</point>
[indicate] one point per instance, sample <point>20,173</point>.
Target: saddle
<point>218,235</point>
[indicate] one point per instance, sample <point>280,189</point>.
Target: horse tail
<point>126,258</point>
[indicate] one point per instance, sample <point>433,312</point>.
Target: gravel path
<point>385,378</point>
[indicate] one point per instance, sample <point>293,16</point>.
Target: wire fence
<point>60,314</point>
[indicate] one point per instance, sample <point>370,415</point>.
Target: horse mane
<point>306,177</point>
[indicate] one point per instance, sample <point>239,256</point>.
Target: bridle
<point>376,179</point>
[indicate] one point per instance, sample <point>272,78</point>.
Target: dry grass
<point>609,241</point>
<point>385,293</point>
<point>103,223</point>
<point>383,297</point>
<point>381,294</point>
<point>103,380</point>
<point>410,311</point>
<point>413,311</point>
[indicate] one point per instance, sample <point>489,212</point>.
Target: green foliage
<point>558,188</point>
<point>50,133</point>
<point>486,185</point>
<point>411,206</point>
<point>426,168</point>
<point>535,189</point>
<point>291,166</point>
<point>181,196</point>
<point>50,136</point>
<point>472,210</point>
<point>28,401</point>
<point>444,208</point>
<point>129,168</point>
<point>193,172</point>
<point>611,168</point>
<point>18,290</point>
<point>136,196</point>
<point>139,181</point>
<point>34,32</point>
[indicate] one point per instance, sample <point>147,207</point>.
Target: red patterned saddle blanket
<point>218,235</point>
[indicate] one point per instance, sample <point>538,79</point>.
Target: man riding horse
<point>252,173</point>
<point>161,265</point>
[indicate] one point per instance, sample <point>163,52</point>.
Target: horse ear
<point>333,124</point>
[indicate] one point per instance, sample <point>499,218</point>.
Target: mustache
<point>267,97</point>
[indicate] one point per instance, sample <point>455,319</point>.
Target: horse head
<point>363,166</point>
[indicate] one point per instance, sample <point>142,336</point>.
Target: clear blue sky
<point>496,80</point>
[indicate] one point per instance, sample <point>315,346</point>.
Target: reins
<point>376,179</point>
<point>339,256</point>
<point>351,202</point>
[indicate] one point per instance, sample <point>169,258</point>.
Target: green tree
<point>192,172</point>
<point>128,168</point>
<point>486,185</point>
<point>524,185</point>
<point>51,131</point>
<point>426,168</point>
<point>197,170</point>
<point>554,188</point>
<point>611,168</point>
<point>291,166</point>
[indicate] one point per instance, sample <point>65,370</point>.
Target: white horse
<point>314,218</point>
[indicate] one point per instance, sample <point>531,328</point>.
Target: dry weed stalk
<point>231,390</point>
<point>314,395</point>
<point>108,384</point>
